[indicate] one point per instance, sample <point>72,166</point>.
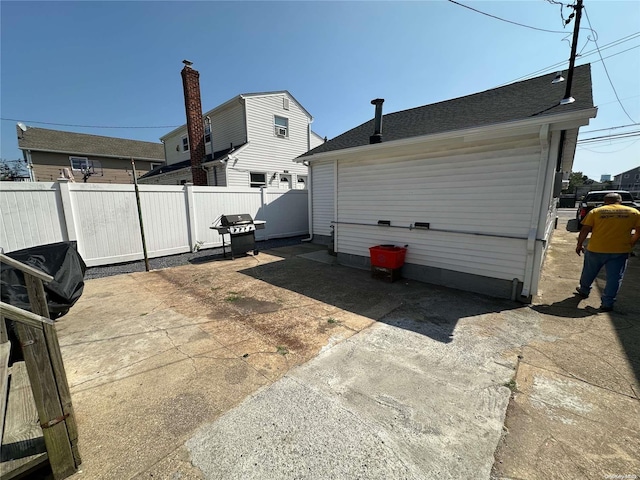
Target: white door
<point>285,182</point>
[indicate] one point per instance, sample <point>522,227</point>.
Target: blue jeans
<point>614,264</point>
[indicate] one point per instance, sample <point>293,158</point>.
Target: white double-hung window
<point>281,126</point>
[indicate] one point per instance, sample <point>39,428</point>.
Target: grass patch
<point>332,320</point>
<point>282,350</point>
<point>511,385</point>
<point>143,314</point>
<point>233,296</point>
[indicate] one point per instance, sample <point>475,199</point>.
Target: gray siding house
<point>250,141</point>
<point>469,184</point>
<point>629,180</point>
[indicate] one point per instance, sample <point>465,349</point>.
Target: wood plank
<point>23,316</point>
<point>23,446</point>
<point>60,373</point>
<point>25,268</point>
<point>5,352</point>
<point>4,333</point>
<point>44,386</point>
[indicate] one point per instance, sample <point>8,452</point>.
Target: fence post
<point>191,212</point>
<point>46,375</point>
<point>67,209</point>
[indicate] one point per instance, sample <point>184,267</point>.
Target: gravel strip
<point>180,259</point>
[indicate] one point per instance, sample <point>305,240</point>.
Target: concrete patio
<point>278,366</point>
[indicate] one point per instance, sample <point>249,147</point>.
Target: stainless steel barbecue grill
<point>241,230</point>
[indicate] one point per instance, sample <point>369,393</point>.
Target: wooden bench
<point>38,424</point>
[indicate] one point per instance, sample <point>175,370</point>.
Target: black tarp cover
<point>60,260</point>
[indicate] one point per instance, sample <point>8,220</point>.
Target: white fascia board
<point>232,153</point>
<point>158,175</point>
<point>516,127</point>
<point>84,154</point>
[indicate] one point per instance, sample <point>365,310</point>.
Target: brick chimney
<point>195,125</point>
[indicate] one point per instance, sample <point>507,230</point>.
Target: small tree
<point>12,169</point>
<point>576,179</point>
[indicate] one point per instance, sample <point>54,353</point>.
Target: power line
<point>606,71</point>
<point>590,52</point>
<point>610,128</point>
<point>505,20</point>
<point>605,138</point>
<point>81,126</point>
<point>633,142</point>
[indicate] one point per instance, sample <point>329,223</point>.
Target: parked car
<point>596,199</point>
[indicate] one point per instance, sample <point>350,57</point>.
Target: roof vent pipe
<point>377,134</point>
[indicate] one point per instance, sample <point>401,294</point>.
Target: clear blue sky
<point>118,63</point>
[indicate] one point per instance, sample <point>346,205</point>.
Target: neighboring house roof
<point>239,98</point>
<point>517,101</point>
<point>628,171</point>
<point>219,155</point>
<point>45,140</point>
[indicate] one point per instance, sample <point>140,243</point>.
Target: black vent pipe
<point>377,133</point>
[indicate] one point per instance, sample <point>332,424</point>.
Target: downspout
<point>309,202</point>
<point>535,214</point>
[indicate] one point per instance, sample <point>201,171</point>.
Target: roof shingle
<point>43,139</point>
<point>517,101</point>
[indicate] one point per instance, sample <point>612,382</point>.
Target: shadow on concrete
<point>430,310</point>
<point>626,316</point>
<point>567,308</point>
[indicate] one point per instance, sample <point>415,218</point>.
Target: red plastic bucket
<point>387,256</point>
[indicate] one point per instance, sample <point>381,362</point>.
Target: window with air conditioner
<point>281,126</point>
<point>257,179</point>
<point>79,163</point>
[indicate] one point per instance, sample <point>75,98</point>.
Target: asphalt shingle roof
<point>517,101</point>
<point>187,163</point>
<point>43,139</point>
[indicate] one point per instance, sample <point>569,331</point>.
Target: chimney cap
<point>188,63</point>
<point>377,101</point>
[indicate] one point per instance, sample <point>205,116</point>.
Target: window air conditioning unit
<point>281,132</point>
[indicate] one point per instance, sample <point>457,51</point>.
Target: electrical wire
<point>605,138</point>
<point>606,71</point>
<point>610,128</point>
<point>81,126</point>
<point>540,71</point>
<point>633,142</point>
<point>505,20</point>
<point>509,21</point>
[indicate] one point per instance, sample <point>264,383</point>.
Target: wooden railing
<point>41,350</point>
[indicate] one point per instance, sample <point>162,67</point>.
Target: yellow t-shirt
<point>611,228</point>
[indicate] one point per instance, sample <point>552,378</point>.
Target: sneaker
<point>605,308</point>
<point>581,294</point>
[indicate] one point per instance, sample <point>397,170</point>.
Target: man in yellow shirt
<point>609,246</point>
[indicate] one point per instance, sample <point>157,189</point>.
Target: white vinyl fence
<point>103,218</point>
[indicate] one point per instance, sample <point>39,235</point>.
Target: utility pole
<point>144,242</point>
<point>572,61</point>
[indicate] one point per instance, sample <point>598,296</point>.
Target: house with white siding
<point>250,141</point>
<point>469,184</point>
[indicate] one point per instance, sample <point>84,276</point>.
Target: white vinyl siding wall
<point>266,152</point>
<point>227,127</point>
<point>315,140</point>
<point>491,192</point>
<point>322,179</point>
